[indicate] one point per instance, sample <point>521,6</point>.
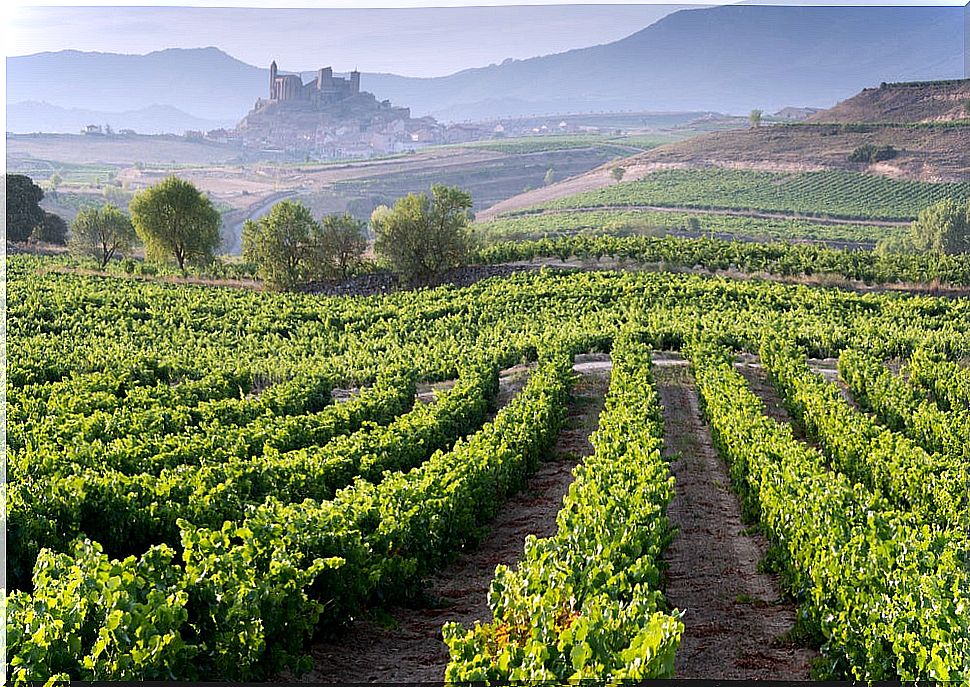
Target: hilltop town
<point>329,117</point>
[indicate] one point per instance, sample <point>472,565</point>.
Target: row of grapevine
<point>430,330</point>
<point>140,385</point>
<point>210,479</point>
<point>584,604</point>
<point>143,439</point>
<point>948,381</point>
<point>905,408</point>
<point>934,487</point>
<point>886,591</point>
<point>145,511</point>
<point>248,595</point>
<point>781,259</point>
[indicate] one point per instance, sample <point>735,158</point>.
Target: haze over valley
<point>726,59</point>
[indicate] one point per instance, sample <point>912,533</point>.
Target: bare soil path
<point>404,644</point>
<point>736,618</point>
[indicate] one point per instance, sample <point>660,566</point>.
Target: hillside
<point>728,59</point>
<point>943,101</point>
<point>930,145</point>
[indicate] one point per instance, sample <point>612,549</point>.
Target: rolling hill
<point>729,59</point>
<point>918,120</point>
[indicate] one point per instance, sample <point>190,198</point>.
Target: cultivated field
<point>213,483</point>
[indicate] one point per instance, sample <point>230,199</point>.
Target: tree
<point>175,220</point>
<point>23,206</point>
<point>53,182</point>
<point>755,118</point>
<point>280,244</point>
<point>942,228</point>
<point>341,243</point>
<point>550,176</point>
<point>617,173</point>
<point>101,233</point>
<point>421,235</point>
<point>52,230</point>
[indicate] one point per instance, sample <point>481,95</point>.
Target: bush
<point>943,228</point>
<point>870,153</point>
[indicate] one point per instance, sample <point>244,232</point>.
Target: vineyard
<point>778,259</point>
<point>832,193</point>
<point>205,482</point>
<point>631,222</point>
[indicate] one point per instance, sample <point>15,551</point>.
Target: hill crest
<point>903,103</point>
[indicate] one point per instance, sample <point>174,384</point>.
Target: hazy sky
<point>407,41</point>
<point>412,42</point>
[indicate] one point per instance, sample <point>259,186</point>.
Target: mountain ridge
<point>730,58</point>
<point>34,116</point>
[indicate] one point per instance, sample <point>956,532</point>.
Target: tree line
<point>418,238</point>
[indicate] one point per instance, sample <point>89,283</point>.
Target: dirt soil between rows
<point>404,644</point>
<point>736,618</point>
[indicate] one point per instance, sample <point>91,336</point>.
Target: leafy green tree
<point>174,219</point>
<point>341,243</point>
<point>101,233</point>
<point>755,118</point>
<point>23,206</point>
<point>617,173</point>
<point>942,228</point>
<point>550,176</point>
<point>423,235</point>
<point>280,244</point>
<point>52,230</point>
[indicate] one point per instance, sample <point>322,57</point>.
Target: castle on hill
<point>325,89</point>
<point>329,117</point>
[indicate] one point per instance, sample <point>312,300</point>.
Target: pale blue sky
<point>411,41</point>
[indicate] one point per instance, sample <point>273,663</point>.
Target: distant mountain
<point>205,82</point>
<point>729,59</point>
<point>31,117</point>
